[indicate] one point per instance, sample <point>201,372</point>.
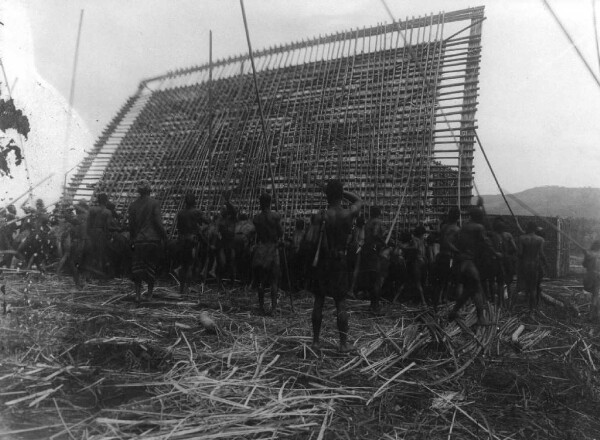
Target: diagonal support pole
<point>265,145</point>
<point>496,180</point>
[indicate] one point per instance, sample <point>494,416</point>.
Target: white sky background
<point>538,108</point>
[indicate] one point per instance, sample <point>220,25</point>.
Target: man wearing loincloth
<point>265,261</point>
<point>147,236</point>
<point>331,262</point>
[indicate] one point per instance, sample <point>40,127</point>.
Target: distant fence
<point>556,247</point>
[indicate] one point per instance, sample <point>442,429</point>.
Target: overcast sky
<point>538,110</point>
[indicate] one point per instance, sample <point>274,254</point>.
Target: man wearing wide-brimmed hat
<point>147,234</point>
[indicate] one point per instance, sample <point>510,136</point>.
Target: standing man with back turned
<point>189,221</point>
<point>531,259</point>
<point>331,261</point>
<point>147,235</point>
<point>265,262</point>
<point>98,222</point>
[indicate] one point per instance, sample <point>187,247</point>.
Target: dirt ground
<point>90,364</point>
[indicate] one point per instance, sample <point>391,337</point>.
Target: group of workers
<point>339,255</point>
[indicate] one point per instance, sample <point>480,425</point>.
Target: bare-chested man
<point>225,248</point>
<point>265,262</point>
<point>332,269</point>
<point>448,252</point>
<point>531,259</point>
<point>372,277</point>
<point>147,236</point>
<point>355,245</point>
<point>504,267</point>
<point>473,244</point>
<point>242,244</point>
<point>189,222</point>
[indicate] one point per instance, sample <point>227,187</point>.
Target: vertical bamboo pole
<point>393,140</point>
<point>468,117</point>
<point>432,92</point>
<point>267,149</point>
<point>71,98</point>
<point>595,16</point>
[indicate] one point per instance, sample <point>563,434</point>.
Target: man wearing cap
<point>147,235</point>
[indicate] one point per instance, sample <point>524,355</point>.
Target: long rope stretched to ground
<point>266,146</point>
<point>596,32</point>
<point>13,201</point>
<point>427,87</point>
<point>496,179</point>
<point>581,57</point>
<point>71,98</point>
<point>546,222</point>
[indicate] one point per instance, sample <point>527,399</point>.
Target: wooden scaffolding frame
<point>389,110</point>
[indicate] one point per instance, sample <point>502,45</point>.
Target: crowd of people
<point>345,251</point>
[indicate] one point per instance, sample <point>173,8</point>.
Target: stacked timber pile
<point>387,109</point>
<point>92,365</point>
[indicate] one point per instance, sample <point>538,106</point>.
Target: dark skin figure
<point>226,251</point>
<point>337,222</point>
<point>416,247</point>
<point>268,233</point>
<point>145,219</point>
<point>448,251</point>
<point>189,222</point>
<point>531,256</point>
<point>472,244</point>
<point>374,243</point>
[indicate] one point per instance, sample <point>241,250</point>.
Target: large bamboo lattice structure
<point>388,109</point>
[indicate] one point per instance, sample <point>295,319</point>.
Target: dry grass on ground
<point>89,364</point>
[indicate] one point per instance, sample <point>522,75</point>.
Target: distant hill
<point>550,201</point>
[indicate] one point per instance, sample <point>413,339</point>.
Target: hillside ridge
<point>550,201</point>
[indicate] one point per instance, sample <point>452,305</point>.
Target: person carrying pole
<point>473,244</point>
<point>330,260</point>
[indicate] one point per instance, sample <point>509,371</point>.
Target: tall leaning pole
<point>266,146</point>
<point>71,98</point>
